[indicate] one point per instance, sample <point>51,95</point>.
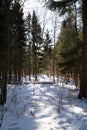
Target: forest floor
<point>43,105</point>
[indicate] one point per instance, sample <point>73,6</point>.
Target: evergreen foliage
<point>4,46</point>
<point>37,42</point>
<point>28,62</point>
<point>69,50</point>
<point>18,46</point>
<point>47,52</point>
<point>63,4</point>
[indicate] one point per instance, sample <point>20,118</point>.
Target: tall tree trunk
<point>29,66</point>
<point>3,85</point>
<point>83,83</point>
<point>19,75</point>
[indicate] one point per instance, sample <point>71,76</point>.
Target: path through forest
<point>40,106</point>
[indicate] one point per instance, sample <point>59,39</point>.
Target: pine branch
<point>59,4</point>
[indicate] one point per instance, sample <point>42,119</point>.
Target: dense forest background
<point>25,50</point>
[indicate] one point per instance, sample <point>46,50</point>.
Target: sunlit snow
<point>44,106</point>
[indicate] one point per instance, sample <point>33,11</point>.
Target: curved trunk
<point>83,83</point>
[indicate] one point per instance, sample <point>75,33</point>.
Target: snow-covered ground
<point>41,106</point>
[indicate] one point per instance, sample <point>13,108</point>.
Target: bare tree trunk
<point>83,83</point>
<point>29,66</point>
<point>54,37</point>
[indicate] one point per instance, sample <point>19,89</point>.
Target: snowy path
<point>46,117</point>
<point>32,104</point>
<point>36,107</point>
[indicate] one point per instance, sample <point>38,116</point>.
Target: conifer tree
<point>36,44</point>
<point>47,53</point>
<point>4,45</point>
<point>19,40</point>
<point>69,50</point>
<point>29,55</point>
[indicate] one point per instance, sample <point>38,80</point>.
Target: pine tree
<point>4,46</point>
<point>19,44</point>
<point>28,58</point>
<point>36,44</point>
<point>47,53</point>
<point>69,50</point>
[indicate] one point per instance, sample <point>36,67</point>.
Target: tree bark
<point>83,82</point>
